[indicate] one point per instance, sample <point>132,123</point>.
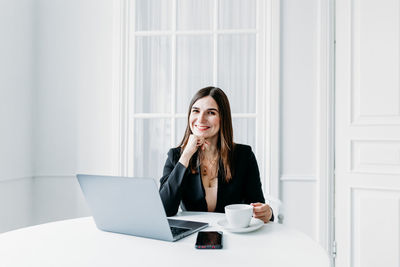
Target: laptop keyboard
<point>177,230</point>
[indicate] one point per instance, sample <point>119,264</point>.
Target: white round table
<point>78,242</point>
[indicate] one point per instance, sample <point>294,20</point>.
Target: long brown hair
<point>225,143</point>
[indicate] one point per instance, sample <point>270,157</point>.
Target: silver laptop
<point>132,206</point>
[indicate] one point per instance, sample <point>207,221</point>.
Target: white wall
<point>56,85</point>
<point>16,53</point>
<point>299,39</point>
<point>74,44</point>
<point>56,62</point>
<point>73,89</point>
<point>72,133</point>
<point>16,79</point>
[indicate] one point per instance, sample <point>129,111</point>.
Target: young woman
<point>208,171</point>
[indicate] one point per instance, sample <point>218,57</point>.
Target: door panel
<point>375,239</point>
<point>367,175</point>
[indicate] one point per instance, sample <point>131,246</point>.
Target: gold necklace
<point>212,163</point>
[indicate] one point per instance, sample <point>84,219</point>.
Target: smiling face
<point>204,118</point>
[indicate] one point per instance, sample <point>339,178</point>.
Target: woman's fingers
<point>192,144</point>
<point>205,145</point>
<point>195,143</point>
<point>196,140</point>
<point>257,207</point>
<point>262,211</point>
<point>202,142</point>
<point>199,142</point>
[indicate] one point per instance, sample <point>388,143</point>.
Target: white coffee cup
<point>238,215</point>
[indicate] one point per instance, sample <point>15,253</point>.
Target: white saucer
<point>254,225</point>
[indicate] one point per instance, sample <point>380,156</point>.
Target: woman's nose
<point>202,117</point>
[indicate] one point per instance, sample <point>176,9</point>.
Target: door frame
<point>325,122</point>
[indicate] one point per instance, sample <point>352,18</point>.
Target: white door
<point>367,133</point>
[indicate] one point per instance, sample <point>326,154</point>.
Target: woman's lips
<point>202,128</point>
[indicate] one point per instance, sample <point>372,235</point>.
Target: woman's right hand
<point>193,144</point>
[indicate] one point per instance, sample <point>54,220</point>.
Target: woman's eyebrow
<point>210,109</point>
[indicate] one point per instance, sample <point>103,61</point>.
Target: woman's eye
<point>195,111</point>
<point>211,112</point>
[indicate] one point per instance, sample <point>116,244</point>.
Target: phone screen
<point>209,240</point>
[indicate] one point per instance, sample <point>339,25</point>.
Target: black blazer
<point>179,186</point>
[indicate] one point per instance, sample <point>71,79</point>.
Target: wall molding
<point>15,178</point>
<point>298,178</point>
<point>273,99</point>
<point>54,176</point>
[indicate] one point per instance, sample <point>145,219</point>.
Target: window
<point>169,49</point>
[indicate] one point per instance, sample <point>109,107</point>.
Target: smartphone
<point>209,240</point>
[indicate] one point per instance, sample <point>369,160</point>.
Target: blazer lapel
<point>202,191</point>
<point>221,183</point>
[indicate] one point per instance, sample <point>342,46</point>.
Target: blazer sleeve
<point>253,189</point>
<point>170,183</point>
